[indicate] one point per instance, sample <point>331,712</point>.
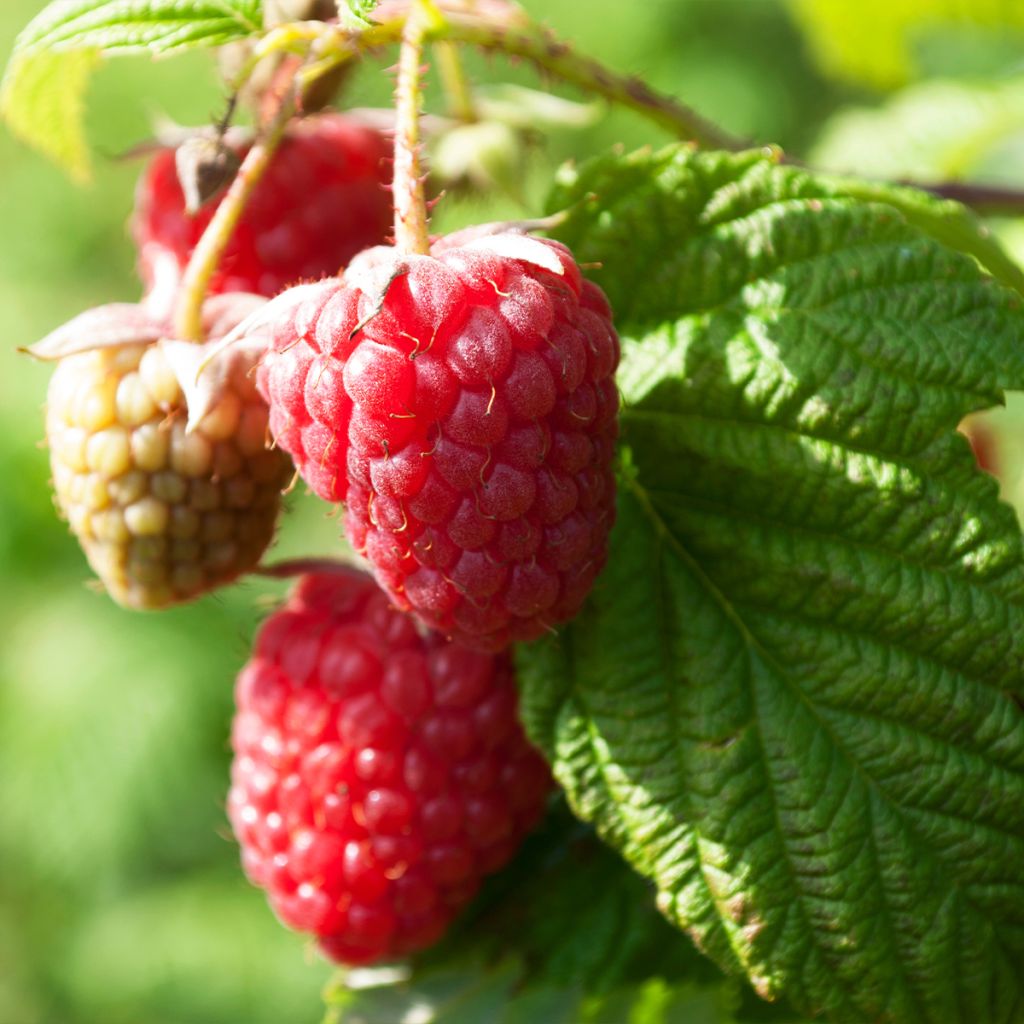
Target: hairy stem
<point>411,234</point>
<point>205,258</point>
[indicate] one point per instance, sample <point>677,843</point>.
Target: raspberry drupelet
<point>379,773</point>
<point>463,406</point>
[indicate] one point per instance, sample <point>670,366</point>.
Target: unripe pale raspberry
<point>463,406</point>
<point>163,513</point>
<point>321,200</point>
<point>379,773</point>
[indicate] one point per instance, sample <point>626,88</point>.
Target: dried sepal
<point>109,326</point>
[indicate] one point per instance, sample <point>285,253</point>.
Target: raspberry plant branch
<point>292,567</point>
<point>992,200</point>
<point>552,56</point>
<point>538,46</point>
<point>409,198</point>
<point>208,252</point>
<point>328,45</point>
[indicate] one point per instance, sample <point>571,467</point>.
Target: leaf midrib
<point>662,531</point>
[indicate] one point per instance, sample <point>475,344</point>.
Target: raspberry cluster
<point>162,513</point>
<point>322,200</point>
<point>379,773</point>
<point>463,406</point>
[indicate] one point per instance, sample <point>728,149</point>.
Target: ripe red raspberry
<point>321,201</point>
<point>463,406</point>
<point>378,773</point>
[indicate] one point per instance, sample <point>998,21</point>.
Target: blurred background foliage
<point>120,896</point>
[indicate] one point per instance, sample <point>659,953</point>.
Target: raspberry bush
<point>692,611</point>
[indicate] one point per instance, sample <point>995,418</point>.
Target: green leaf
<point>152,26</point>
<point>357,12</point>
<point>42,101</point>
<point>935,131</point>
<point>607,218</point>
<point>42,94</point>
<point>462,995</point>
<point>945,220</point>
<point>478,994</point>
<point>791,700</point>
<point>873,42</point>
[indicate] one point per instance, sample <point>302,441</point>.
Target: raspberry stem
<point>188,325</point>
<point>301,566</point>
<point>411,235</point>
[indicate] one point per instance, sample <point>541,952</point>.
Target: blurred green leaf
<point>205,948</point>
<point>934,131</point>
<point>43,90</point>
<point>43,101</point>
<point>873,41</point>
<point>531,109</point>
<point>357,12</point>
<point>478,993</point>
<point>790,701</point>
